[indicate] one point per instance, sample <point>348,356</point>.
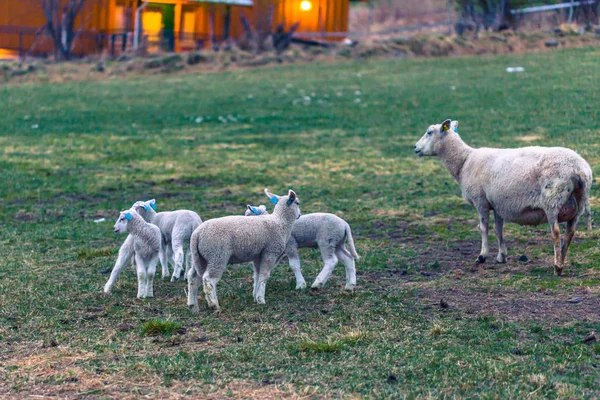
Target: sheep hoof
<point>301,286</point>
<point>174,278</point>
<point>349,287</point>
<point>480,260</point>
<point>501,259</point>
<point>194,308</point>
<point>558,271</point>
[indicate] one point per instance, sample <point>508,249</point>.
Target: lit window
<point>305,5</point>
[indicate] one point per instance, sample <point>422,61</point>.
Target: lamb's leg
<point>267,263</point>
<point>294,260</point>
<point>348,261</point>
<point>188,262</point>
<point>569,233</point>
<point>164,260</point>
<point>484,222</point>
<point>193,284</point>
<point>499,228</point>
<point>177,244</point>
<point>555,235</point>
<point>141,275</point>
<point>330,260</point>
<point>210,279</point>
<point>126,254</point>
<point>255,274</point>
<point>150,272</point>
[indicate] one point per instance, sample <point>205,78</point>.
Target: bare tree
<point>60,24</point>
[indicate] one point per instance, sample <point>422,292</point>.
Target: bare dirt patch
<point>518,306</point>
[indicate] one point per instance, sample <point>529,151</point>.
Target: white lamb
<point>325,231</point>
<point>176,228</point>
<point>144,242</point>
<point>235,240</point>
<point>528,186</point>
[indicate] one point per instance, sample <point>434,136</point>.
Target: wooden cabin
<point>170,25</point>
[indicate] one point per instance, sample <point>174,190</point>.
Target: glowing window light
<point>305,5</point>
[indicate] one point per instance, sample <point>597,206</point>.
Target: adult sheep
<point>527,186</point>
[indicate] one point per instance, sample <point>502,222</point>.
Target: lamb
<point>235,240</point>
<point>176,228</point>
<point>143,243</point>
<point>325,231</point>
<point>527,186</point>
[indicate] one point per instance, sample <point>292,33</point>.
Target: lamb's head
<point>285,205</point>
<point>123,220</point>
<point>433,139</point>
<point>145,208</point>
<point>253,211</point>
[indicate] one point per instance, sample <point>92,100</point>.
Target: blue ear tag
<point>255,210</point>
<point>153,205</point>
<point>146,207</point>
<point>290,201</point>
<point>274,199</point>
<point>128,216</point>
<point>456,129</point>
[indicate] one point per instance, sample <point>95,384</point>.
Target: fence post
<point>571,12</point>
<point>112,44</point>
<point>20,44</point>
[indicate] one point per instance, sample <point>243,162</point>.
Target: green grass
<point>157,327</point>
<point>73,153</point>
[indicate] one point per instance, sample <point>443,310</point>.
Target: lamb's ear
<point>274,198</point>
<point>291,197</point>
<point>253,210</point>
<point>454,126</point>
<point>128,216</point>
<point>445,126</point>
<point>152,204</point>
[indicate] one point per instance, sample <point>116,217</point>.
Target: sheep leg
<point>210,279</point>
<point>499,228</point>
<point>294,260</point>
<point>195,274</point>
<point>126,254</point>
<point>188,263</point>
<point>255,275</point>
<point>163,255</point>
<point>177,259</point>
<point>267,263</point>
<point>555,235</point>
<point>150,272</point>
<point>348,261</point>
<point>330,260</point>
<point>484,221</point>
<point>141,275</point>
<point>569,233</point>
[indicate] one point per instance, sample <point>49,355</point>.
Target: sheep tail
<point>195,255</point>
<point>351,243</point>
<point>582,197</point>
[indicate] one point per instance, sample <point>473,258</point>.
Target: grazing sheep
<point>143,243</point>
<point>235,240</point>
<point>325,231</point>
<point>176,228</point>
<point>527,186</point>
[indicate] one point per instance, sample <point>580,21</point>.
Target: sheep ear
<point>128,216</point>
<point>274,198</point>
<point>445,125</point>
<point>454,125</point>
<point>291,197</point>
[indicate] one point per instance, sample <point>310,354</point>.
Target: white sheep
<point>176,228</point>
<point>235,240</point>
<point>143,243</point>
<point>324,231</point>
<point>527,186</point>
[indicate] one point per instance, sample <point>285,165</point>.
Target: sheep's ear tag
<point>455,129</point>
<point>273,199</point>
<point>290,201</point>
<point>153,205</point>
<point>254,210</point>
<point>146,207</point>
<point>446,126</point>
<point>128,216</point>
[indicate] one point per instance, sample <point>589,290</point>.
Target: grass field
<point>341,135</point>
